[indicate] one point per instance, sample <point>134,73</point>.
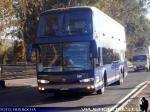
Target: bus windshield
<point>73,56</point>
<point>140,58</point>
<point>67,23</point>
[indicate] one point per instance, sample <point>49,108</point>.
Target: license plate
<point>64,89</point>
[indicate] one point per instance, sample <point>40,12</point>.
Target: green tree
<point>3,51</point>
<point>130,13</point>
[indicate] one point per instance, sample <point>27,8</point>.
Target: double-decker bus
<point>79,49</point>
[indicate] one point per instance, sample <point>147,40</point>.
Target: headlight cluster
<point>41,89</point>
<point>91,87</point>
<point>87,80</point>
<point>42,81</point>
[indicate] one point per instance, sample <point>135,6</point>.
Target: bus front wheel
<point>120,81</point>
<point>101,91</point>
<point>147,70</point>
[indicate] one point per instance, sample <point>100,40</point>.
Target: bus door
<point>116,62</point>
<point>107,55</point>
<point>97,64</point>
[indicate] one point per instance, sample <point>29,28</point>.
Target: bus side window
<point>116,56</point>
<point>107,55</point>
<point>99,55</point>
<point>97,58</point>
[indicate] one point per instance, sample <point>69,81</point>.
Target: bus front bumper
<point>142,67</point>
<point>66,87</point>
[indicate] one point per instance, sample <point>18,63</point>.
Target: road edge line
<point>134,92</point>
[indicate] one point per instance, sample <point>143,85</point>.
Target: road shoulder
<point>134,102</point>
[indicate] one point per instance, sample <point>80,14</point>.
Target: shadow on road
<point>63,97</point>
<point>96,108</point>
<point>29,96</point>
<point>132,71</point>
<point>121,88</point>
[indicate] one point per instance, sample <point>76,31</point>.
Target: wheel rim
<point>121,79</point>
<point>103,88</point>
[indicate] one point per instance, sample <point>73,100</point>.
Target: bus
<point>141,58</point>
<point>79,49</point>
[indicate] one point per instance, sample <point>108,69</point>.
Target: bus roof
<point>69,9</point>
<point>76,8</point>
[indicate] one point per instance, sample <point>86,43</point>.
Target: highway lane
<point>29,96</point>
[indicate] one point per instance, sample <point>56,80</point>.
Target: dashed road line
<point>128,97</point>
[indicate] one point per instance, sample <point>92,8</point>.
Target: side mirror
<point>96,63</point>
<point>94,49</point>
<point>29,53</point>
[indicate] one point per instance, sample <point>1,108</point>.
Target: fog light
<point>92,87</point>
<point>43,81</point>
<point>43,89</point>
<point>40,88</point>
<point>88,87</point>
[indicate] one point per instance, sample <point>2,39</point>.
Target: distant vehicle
<point>141,58</point>
<point>79,49</point>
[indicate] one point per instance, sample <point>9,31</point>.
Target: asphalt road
<point>25,96</point>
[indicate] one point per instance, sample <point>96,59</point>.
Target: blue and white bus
<point>79,49</point>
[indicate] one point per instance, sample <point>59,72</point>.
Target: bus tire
<point>102,90</point>
<point>105,79</point>
<point>120,81</point>
<point>147,69</point>
<point>123,73</point>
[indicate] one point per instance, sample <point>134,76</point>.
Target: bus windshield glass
<point>76,23</point>
<point>73,56</point>
<point>48,25</point>
<point>67,23</point>
<point>140,58</point>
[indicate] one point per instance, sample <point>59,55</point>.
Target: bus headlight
<point>87,80</point>
<point>43,81</point>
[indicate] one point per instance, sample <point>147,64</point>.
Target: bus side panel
<point>110,36</point>
<point>99,75</point>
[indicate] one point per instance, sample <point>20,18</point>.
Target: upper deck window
<point>50,25</point>
<point>65,23</point>
<point>76,24</point>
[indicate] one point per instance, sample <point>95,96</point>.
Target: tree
<point>3,48</point>
<point>130,13</point>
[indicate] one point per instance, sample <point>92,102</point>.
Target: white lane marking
<point>34,85</point>
<point>134,95</point>
<point>144,84</point>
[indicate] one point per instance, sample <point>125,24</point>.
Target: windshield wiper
<point>50,68</point>
<point>74,67</point>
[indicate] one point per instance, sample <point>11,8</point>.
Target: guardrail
<point>17,71</point>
